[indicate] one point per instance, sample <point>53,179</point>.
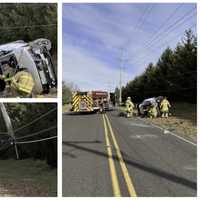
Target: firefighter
<point>129,107</point>
<point>164,106</point>
<point>152,112</point>
<point>22,83</point>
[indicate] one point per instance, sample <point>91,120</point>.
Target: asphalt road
<point>108,155</point>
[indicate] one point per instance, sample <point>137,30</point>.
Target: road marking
<point>139,125</point>
<point>124,169</point>
<point>182,138</point>
<point>115,182</point>
<point>190,168</point>
<point>171,133</point>
<point>143,136</point>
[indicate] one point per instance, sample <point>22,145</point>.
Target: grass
<point>66,108</point>
<point>27,178</point>
<point>183,120</point>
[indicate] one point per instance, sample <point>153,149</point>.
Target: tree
<point>117,94</point>
<point>174,75</point>
<point>66,93</point>
<point>22,114</point>
<point>28,21</point>
<point>67,90</point>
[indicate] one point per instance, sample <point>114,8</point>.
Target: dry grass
<point>183,120</point>
<point>66,108</point>
<point>27,178</point>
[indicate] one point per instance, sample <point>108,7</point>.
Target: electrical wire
<point>36,133</point>
<point>141,58</point>
<point>26,26</point>
<point>26,125</point>
<point>166,21</point>
<point>34,141</point>
<point>168,29</point>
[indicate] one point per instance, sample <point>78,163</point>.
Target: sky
<point>100,39</point>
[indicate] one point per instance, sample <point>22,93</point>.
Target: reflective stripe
<point>23,81</point>
<point>77,99</point>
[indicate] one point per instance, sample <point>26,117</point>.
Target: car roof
<point>13,45</point>
<point>150,99</point>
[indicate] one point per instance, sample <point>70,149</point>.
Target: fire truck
<point>90,101</point>
<point>99,96</point>
<point>82,102</point>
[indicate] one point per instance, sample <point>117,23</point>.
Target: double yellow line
<point>114,177</point>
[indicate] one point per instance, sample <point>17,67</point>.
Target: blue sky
<point>97,36</point>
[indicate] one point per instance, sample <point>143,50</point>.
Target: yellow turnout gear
<point>23,82</point>
<point>152,112</point>
<point>129,107</point>
<point>165,105</point>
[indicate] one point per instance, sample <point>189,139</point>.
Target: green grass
<point>27,178</point>
<point>185,111</point>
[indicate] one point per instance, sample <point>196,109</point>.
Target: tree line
<point>28,21</point>
<point>67,89</point>
<point>21,115</point>
<point>173,76</point>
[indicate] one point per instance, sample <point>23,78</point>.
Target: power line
<point>172,27</point>
<point>162,28</point>
<point>37,133</point>
<point>34,141</point>
<point>140,22</point>
<point>26,125</point>
<point>142,57</point>
<point>148,10</point>
<point>167,20</point>
<point>172,39</point>
<point>26,26</point>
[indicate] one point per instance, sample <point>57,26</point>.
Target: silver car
<point>35,57</point>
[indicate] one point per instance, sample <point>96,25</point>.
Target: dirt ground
<point>183,120</point>
<point>27,178</point>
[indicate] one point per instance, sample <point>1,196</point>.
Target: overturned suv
<point>145,105</point>
<point>35,57</point>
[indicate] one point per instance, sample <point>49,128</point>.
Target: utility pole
<point>109,86</point>
<point>120,75</point>
<point>121,59</point>
<point>9,126</point>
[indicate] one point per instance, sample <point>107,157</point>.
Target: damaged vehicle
<point>35,57</point>
<point>147,103</point>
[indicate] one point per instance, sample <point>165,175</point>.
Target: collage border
<point>58,100</point>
